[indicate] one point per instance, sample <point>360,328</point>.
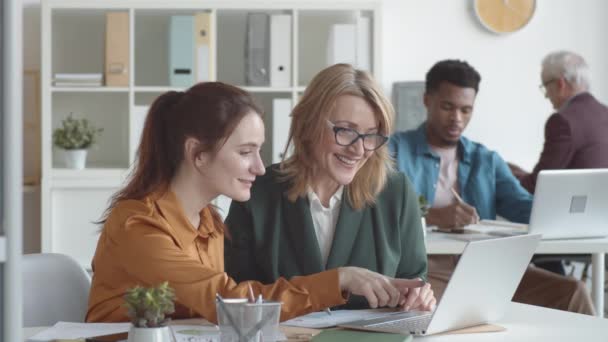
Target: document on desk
<point>322,319</point>
<point>485,229</point>
<point>198,333</point>
<point>71,330</point>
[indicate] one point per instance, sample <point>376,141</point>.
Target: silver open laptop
<point>568,204</point>
<point>479,291</point>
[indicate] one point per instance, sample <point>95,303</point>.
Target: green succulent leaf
<point>76,134</point>
<point>423,204</point>
<point>147,307</point>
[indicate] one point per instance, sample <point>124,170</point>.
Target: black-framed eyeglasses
<point>347,136</point>
<point>543,86</point>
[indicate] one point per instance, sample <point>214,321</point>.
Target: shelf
<point>107,110</point>
<point>58,173</point>
<point>89,89</point>
<point>314,26</point>
<point>78,41</point>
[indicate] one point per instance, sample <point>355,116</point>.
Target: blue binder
<point>181,51</point>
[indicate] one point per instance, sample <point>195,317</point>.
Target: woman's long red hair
<point>207,111</point>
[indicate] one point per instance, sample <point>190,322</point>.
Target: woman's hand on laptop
<point>379,290</point>
<point>419,298</point>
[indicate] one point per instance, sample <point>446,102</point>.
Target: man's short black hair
<point>454,71</point>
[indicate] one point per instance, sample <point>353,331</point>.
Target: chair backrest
<point>55,288</point>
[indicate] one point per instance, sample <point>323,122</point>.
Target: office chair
<point>55,288</point>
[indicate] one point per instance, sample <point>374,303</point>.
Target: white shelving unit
<point>73,33</point>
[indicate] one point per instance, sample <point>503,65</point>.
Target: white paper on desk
<point>486,226</point>
<point>195,333</point>
<point>485,229</point>
<point>71,330</point>
<point>472,237</point>
<point>321,319</point>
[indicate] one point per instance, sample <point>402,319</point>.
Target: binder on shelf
<point>281,121</point>
<point>181,51</point>
<point>341,44</point>
<point>116,67</point>
<point>257,59</point>
<point>280,50</point>
<point>350,43</point>
<point>204,65</point>
<point>136,127</point>
<point>364,38</point>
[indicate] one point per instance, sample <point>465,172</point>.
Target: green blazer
<point>272,237</point>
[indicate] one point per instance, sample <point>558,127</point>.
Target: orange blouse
<point>145,242</point>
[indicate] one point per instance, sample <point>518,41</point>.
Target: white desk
<point>536,324</point>
<point>441,243</point>
<point>523,323</point>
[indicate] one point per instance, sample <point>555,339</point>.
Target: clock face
<point>504,16</point>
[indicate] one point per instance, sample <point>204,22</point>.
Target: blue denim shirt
<point>484,179</point>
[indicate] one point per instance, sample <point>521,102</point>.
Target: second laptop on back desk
<point>568,204</point>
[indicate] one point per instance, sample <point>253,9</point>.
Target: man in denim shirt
<point>443,166</point>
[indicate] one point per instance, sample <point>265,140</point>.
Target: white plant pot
<point>161,334</point>
<point>75,159</point>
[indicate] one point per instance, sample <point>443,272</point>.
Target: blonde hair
<point>309,124</point>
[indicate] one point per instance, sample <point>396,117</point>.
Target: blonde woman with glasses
<point>335,201</point>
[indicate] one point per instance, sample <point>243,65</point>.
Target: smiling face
<point>449,109</point>
<point>338,165</point>
<point>232,170</point>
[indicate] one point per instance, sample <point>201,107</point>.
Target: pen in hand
<point>458,198</point>
<point>461,201</point>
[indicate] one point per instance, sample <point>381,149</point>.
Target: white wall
<point>510,112</point>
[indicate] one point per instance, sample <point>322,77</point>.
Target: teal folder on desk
<point>359,336</point>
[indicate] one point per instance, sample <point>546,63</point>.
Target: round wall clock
<point>504,16</point>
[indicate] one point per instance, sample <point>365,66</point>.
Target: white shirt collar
<point>335,198</point>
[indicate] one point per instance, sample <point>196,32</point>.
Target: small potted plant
<point>423,204</point>
<point>147,309</point>
<point>75,137</point>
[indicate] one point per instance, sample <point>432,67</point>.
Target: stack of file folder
<point>77,80</point>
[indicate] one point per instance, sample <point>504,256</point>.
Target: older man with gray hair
<point>576,136</point>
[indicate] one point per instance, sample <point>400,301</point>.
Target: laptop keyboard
<point>413,325</point>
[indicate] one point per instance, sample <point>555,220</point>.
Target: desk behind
<point>528,323</point>
<point>441,243</point>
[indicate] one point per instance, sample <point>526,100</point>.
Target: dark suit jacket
<point>273,237</point>
<point>575,138</point>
